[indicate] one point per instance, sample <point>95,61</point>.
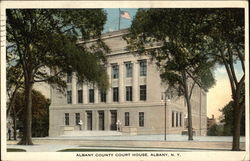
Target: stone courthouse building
<point>134,104</point>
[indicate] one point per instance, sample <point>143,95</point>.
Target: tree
<point>227,115</point>
<point>172,37</point>
<point>217,33</point>
<point>44,42</point>
<point>40,112</point>
<point>227,43</point>
<point>215,130</point>
<point>14,84</point>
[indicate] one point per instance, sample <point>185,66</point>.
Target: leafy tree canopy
<point>44,42</point>
<point>42,39</point>
<point>173,38</point>
<point>40,112</point>
<point>227,115</point>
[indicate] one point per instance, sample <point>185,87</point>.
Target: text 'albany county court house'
<point>134,103</point>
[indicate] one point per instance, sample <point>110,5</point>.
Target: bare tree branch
<point>230,62</point>
<point>191,90</point>
<point>50,77</point>
<point>233,86</point>
<point>241,59</point>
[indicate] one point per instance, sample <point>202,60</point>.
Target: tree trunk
<point>27,133</point>
<point>237,112</point>
<point>189,108</point>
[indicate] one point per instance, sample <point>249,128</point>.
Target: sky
<point>113,19</point>
<point>217,97</point>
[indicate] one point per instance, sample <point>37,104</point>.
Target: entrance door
<point>89,120</point>
<point>113,120</point>
<point>101,120</point>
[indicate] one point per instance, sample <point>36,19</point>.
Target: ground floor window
<point>126,118</point>
<point>77,119</point>
<point>141,119</point>
<point>66,118</point>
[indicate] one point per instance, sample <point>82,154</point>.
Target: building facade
<point>134,103</point>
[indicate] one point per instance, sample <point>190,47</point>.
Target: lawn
<point>15,150</point>
<point>100,150</point>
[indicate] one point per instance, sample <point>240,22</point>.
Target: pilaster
<point>109,94</point>
<point>74,81</point>
<point>121,82</point>
<point>135,81</point>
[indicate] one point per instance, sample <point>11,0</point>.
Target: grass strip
<point>15,150</point>
<point>101,150</point>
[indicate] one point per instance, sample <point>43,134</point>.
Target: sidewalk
<point>146,142</point>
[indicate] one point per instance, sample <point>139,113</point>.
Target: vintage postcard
<point>124,80</point>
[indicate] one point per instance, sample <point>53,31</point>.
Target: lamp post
<point>165,115</point>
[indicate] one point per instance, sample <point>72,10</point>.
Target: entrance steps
<point>91,133</point>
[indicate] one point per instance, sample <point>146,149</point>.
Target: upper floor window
<point>115,71</point>
<point>143,92</point>
<point>126,118</point>
<point>143,67</point>
<point>66,118</point>
<point>69,77</point>
<point>79,92</point>
<point>129,93</point>
<point>77,119</point>
<point>116,94</point>
<point>103,95</point>
<point>69,97</point>
<point>91,96</point>
<point>141,119</point>
<point>129,68</point>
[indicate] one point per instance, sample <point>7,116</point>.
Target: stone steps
<point>91,133</point>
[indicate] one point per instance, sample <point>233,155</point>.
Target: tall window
<point>143,67</point>
<point>141,119</point>
<point>115,71</point>
<point>77,119</point>
<point>69,97</point>
<point>79,92</point>
<point>91,96</point>
<point>103,95</point>
<point>126,118</point>
<point>129,69</point>
<point>66,118</point>
<point>180,119</point>
<point>143,93</point>
<point>129,93</point>
<point>172,118</point>
<point>69,77</point>
<point>116,94</point>
<point>177,120</point>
